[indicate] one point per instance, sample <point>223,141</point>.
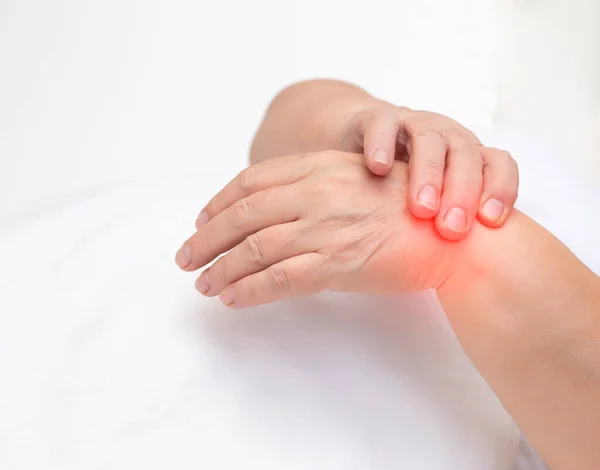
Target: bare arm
<point>524,308</point>
<point>527,312</point>
<point>308,117</point>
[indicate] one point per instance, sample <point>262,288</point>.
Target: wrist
<point>519,286</point>
<point>489,257</point>
<point>527,313</point>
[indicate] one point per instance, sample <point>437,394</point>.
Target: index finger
<point>380,138</point>
<point>255,178</point>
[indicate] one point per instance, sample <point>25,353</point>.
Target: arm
<point>525,309</point>
<point>527,312</point>
<point>308,117</point>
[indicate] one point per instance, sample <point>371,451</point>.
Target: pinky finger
<point>500,186</point>
<point>300,275</point>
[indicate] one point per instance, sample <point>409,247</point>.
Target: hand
<point>452,176</point>
<point>299,225</point>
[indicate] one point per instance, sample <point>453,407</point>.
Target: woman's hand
<point>299,225</point>
<point>452,176</point>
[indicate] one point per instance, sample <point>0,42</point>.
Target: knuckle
<point>255,249</point>
<point>382,134</point>
<point>209,208</point>
<point>470,185</point>
<point>498,154</point>
<point>318,265</point>
<point>278,278</point>
<point>379,130</point>
<point>324,192</point>
<point>367,117</point>
<point>432,165</point>
<point>471,178</point>
<point>379,119</point>
<point>242,213</point>
<point>459,134</point>
<point>509,158</point>
<point>509,162</point>
<point>463,146</point>
<point>218,273</point>
<point>247,179</point>
<point>385,124</point>
<point>251,288</point>
<point>428,132</point>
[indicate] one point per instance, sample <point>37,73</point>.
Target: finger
<point>257,252</point>
<point>248,215</point>
<point>427,162</point>
<point>255,178</point>
<point>461,191</point>
<point>379,141</point>
<point>500,186</point>
<point>300,275</point>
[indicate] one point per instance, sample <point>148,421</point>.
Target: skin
<point>299,225</point>
<point>453,177</point>
<point>527,312</point>
<point>525,309</point>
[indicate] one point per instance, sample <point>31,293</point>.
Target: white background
<point>119,118</point>
<point>98,92</point>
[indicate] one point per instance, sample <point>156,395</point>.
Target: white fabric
<point>109,359</point>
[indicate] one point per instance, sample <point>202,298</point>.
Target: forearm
<point>308,117</point>
<point>527,312</point>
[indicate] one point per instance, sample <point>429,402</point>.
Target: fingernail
<point>183,258</point>
<point>227,296</point>
<point>428,197</point>
<point>381,156</point>
<point>492,209</point>
<point>456,219</point>
<point>202,283</point>
<point>202,218</point>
